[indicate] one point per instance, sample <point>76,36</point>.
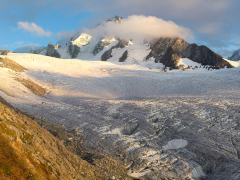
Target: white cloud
<point>33,28</point>
<point>65,36</point>
<point>5,46</point>
<point>141,28</point>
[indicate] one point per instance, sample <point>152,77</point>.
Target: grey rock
<point>235,56</point>
<point>117,19</point>
<point>169,51</point>
<point>73,50</point>
<point>100,46</point>
<point>108,54</point>
<point>124,56</point>
<point>51,51</point>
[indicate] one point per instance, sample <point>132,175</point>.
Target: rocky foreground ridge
<point>4,52</point>
<point>28,151</point>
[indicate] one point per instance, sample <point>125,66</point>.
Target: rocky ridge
<point>169,51</point>
<point>73,50</point>
<point>50,50</point>
<point>4,52</point>
<point>108,54</point>
<point>235,56</point>
<point>28,151</point>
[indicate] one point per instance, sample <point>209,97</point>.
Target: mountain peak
<point>117,19</point>
<point>235,56</point>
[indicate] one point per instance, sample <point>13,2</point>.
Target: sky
<point>32,24</point>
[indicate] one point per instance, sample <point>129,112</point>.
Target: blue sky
<point>33,24</point>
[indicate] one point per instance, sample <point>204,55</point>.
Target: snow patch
<point>82,40</point>
<point>188,62</point>
<point>233,63</point>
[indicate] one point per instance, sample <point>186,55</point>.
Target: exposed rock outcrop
<point>73,50</point>
<point>169,52</point>
<point>124,56</point>
<point>117,19</point>
<point>28,151</point>
<point>4,52</point>
<point>205,56</point>
<point>51,51</point>
<point>108,54</point>
<point>57,46</point>
<point>101,44</point>
<point>235,56</point>
<point>10,64</point>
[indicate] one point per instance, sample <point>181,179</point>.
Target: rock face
<point>101,44</point>
<point>108,54</point>
<point>117,19</point>
<point>124,56</point>
<point>51,51</point>
<point>4,52</point>
<point>169,51</point>
<point>73,50</point>
<point>235,56</point>
<point>57,46</point>
<point>30,152</point>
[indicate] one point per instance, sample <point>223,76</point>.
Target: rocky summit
<point>169,52</point>
<point>165,51</point>
<point>235,56</point>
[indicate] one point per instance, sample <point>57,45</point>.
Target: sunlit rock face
<point>169,51</point>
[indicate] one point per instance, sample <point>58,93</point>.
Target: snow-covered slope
<point>156,120</point>
<point>165,52</point>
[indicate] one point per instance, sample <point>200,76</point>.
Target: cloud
<point>194,14</point>
<point>12,45</point>
<point>5,46</point>
<point>34,29</point>
<point>27,48</point>
<point>65,36</point>
<point>141,28</point>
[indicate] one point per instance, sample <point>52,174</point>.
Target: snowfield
<point>175,124</point>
